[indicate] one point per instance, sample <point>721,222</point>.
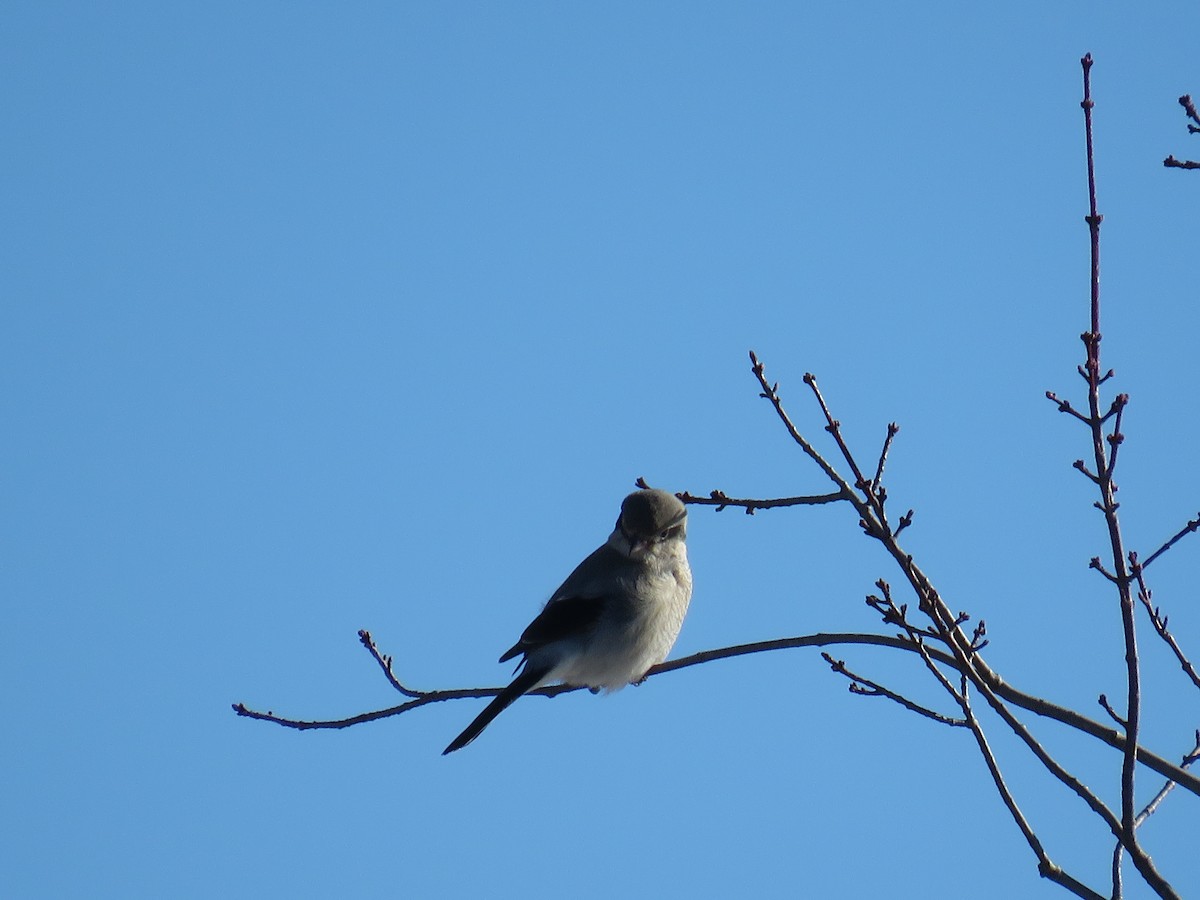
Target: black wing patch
<point>561,618</point>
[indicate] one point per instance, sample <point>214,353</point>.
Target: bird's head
<point>649,520</point>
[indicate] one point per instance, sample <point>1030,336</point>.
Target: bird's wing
<point>562,618</point>
<point>575,606</point>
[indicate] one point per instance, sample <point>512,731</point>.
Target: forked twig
<point>1192,756</point>
<point>1159,621</point>
<point>865,687</point>
<point>1189,110</point>
<point>1187,529</point>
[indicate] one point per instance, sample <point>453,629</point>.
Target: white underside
<point>620,654</point>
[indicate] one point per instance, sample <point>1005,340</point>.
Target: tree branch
<point>1187,529</point>
<point>1189,110</point>
<point>1046,867</point>
<point>1034,704</point>
<point>1108,504</point>
<point>1148,811</point>
<point>1159,621</point>
<point>864,687</point>
<point>721,500</point>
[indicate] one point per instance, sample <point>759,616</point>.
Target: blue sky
<point>328,317</point>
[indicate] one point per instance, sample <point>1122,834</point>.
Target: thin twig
<point>385,663</point>
<point>1126,833</point>
<point>1152,807</point>
<point>1148,811</point>
<point>834,427</point>
<point>1066,407</point>
<point>1117,437</point>
<point>1159,621</point>
<point>1189,110</point>
<point>770,392</point>
<point>720,500</point>
<point>1112,713</point>
<point>897,614</point>
<point>865,687</point>
<point>892,430</point>
<point>967,664</point>
<point>1046,867</point>
<point>1187,529</point>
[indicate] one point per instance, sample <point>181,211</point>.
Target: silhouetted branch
<point>1159,621</point>
<point>1189,110</point>
<point>834,427</point>
<point>892,430</point>
<point>1034,704</point>
<point>770,392</point>
<point>1187,529</point>
<point>1149,810</point>
<point>1102,476</point>
<point>1112,713</point>
<point>1066,407</point>
<point>1192,756</point>
<point>864,687</point>
<point>1046,867</point>
<point>385,663</point>
<point>721,500</point>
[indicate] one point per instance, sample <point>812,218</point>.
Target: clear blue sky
<point>327,317</point>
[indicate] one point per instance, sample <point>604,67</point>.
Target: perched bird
<point>614,617</point>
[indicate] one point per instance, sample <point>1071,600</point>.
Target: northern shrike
<point>614,617</point>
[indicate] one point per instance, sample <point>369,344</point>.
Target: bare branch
<point>834,427</point>
<point>1095,563</point>
<point>1189,110</point>
<point>1152,807</point>
<point>720,500</point>
<point>1037,705</point>
<point>978,639</point>
<point>898,615</point>
<point>1081,466</point>
<point>1159,621</point>
<point>971,665</point>
<point>967,661</point>
<point>1148,811</point>
<point>892,430</point>
<point>1126,833</point>
<point>864,687</point>
<point>1187,529</point>
<point>385,663</point>
<point>1116,438</point>
<point>1066,407</point>
<point>1112,713</point>
<point>770,392</point>
<point>1046,867</point>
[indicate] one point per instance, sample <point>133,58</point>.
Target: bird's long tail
<point>526,681</point>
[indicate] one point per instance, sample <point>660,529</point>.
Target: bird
<point>617,615</point>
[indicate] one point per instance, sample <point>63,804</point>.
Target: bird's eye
<point>666,534</point>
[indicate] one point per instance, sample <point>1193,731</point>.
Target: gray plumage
<point>617,615</point>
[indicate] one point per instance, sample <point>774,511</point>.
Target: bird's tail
<point>526,681</point>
